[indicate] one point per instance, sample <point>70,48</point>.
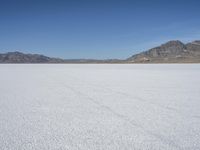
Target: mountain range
<point>170,52</point>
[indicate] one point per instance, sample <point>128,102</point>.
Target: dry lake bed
<point>100,107</point>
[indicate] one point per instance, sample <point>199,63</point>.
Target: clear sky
<point>95,28</point>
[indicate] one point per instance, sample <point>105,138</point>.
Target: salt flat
<point>100,107</point>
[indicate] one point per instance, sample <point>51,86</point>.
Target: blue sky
<point>95,28</point>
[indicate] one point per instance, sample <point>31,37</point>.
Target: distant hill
<point>170,52</point>
<point>18,57</point>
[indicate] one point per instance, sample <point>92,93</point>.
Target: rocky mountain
<point>18,57</point>
<point>170,52</point>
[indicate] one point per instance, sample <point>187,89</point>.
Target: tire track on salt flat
<point>125,118</point>
<point>137,98</point>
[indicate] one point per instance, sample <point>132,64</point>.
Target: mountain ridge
<point>170,52</point>
<point>19,57</point>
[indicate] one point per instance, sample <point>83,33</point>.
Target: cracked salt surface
<point>100,107</point>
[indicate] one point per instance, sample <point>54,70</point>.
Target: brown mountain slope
<point>170,52</point>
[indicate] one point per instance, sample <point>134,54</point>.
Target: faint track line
<point>126,119</point>
<point>163,139</point>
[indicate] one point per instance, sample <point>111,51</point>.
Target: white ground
<point>99,107</point>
